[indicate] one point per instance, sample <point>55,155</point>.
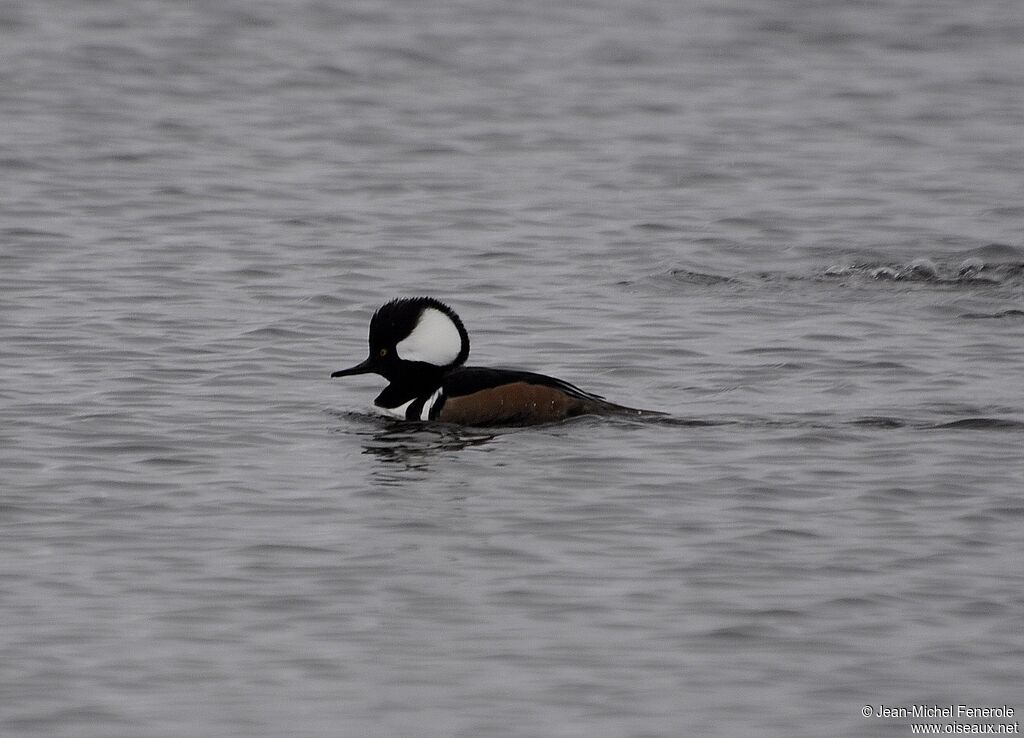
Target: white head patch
<point>435,340</point>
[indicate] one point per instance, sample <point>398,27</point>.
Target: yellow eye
<point>382,353</point>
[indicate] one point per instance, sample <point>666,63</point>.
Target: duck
<point>420,346</point>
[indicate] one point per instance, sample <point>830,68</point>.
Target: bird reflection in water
<point>414,446</point>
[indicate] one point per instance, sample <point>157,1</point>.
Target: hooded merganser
<point>419,345</point>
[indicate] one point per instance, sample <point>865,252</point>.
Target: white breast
<point>395,412</point>
<point>429,404</point>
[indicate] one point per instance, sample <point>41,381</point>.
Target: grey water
<point>796,227</point>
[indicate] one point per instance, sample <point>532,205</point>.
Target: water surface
<point>794,227</point>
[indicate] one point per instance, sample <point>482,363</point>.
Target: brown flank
<point>518,402</point>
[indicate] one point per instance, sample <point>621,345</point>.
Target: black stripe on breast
<point>435,409</point>
<point>413,411</point>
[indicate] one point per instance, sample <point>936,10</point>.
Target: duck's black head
<point>412,336</point>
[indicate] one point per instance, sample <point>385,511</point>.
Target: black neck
<point>415,379</point>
